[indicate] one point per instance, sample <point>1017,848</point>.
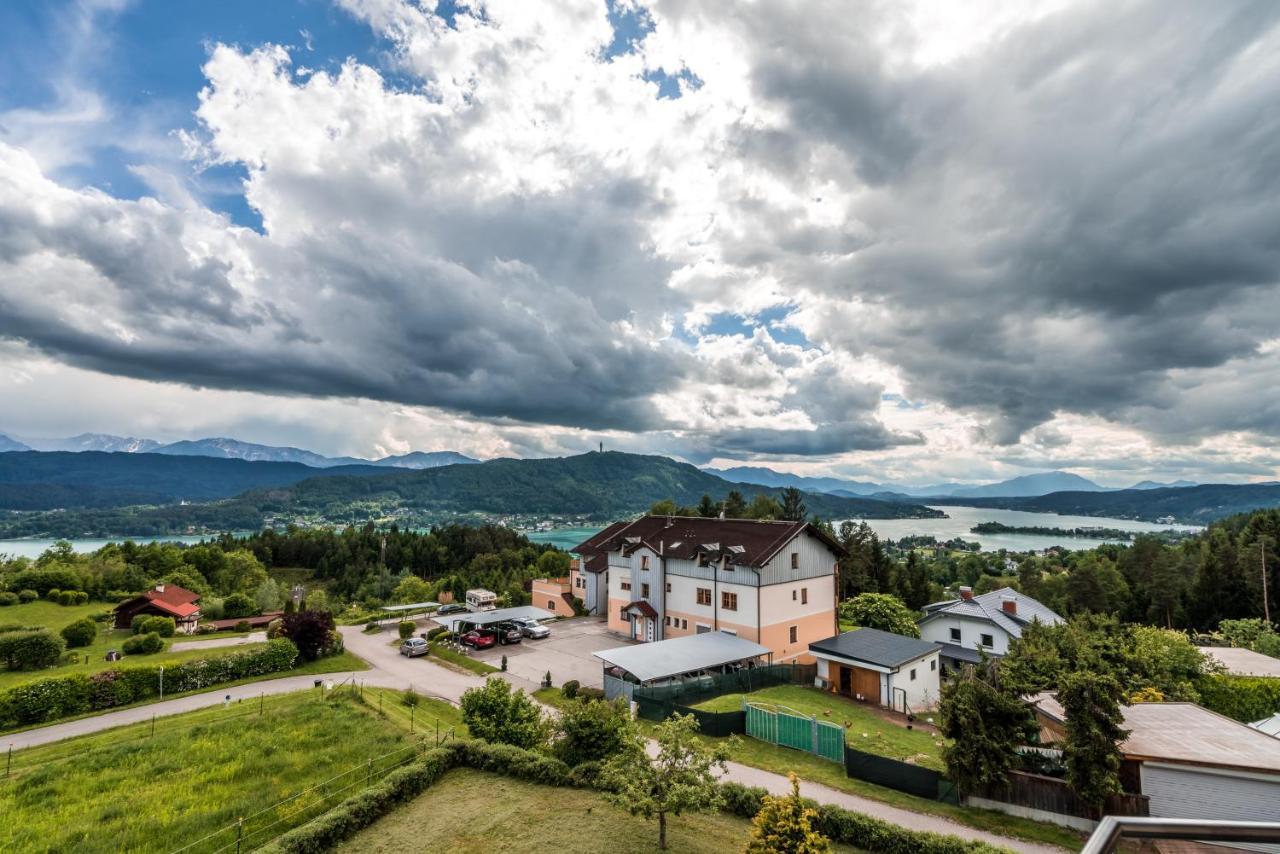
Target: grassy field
<point>471,812</point>
<point>781,760</point>
<point>866,731</point>
<point>129,790</point>
<point>428,718</point>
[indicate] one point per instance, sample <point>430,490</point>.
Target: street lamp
<point>162,682</point>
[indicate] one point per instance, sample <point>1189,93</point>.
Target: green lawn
<point>48,614</point>
<point>129,790</point>
<point>866,731</point>
<point>428,718</point>
<point>472,812</point>
<point>466,662</point>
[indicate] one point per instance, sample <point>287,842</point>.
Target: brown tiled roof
<point>745,542</point>
<point>175,600</point>
<point>643,607</point>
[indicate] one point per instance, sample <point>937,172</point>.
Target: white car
<point>531,628</point>
<point>413,647</point>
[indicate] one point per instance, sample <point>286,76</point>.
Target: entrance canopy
<point>486,618</point>
<point>648,662</point>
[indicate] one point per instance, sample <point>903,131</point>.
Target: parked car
<point>480,638</point>
<point>531,628</point>
<point>413,647</point>
<point>508,633</point>
<point>450,609</point>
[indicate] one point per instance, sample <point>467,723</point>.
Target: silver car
<point>413,647</point>
<point>531,628</point>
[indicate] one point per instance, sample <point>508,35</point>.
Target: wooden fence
<point>1050,794</point>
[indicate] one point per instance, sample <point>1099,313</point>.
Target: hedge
<point>7,598</point>
<point>143,644</point>
<point>854,828</point>
<point>82,632</point>
<point>403,785</point>
<point>30,650</point>
<point>63,696</point>
<point>1245,698</point>
<point>163,626</point>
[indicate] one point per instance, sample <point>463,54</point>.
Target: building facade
<point>773,583</point>
<point>986,623</point>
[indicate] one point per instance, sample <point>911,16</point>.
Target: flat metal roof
<point>662,659</point>
<point>1243,662</point>
<point>415,606</point>
<point>484,618</point>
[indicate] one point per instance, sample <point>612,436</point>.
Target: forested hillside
<point>1191,504</point>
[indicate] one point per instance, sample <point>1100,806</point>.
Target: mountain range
<point>1042,483</point>
<point>231,449</point>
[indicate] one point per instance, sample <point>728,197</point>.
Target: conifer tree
<point>784,825</point>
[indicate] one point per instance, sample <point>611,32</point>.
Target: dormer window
<point>644,561</point>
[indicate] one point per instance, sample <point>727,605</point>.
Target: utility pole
<point>1266,598</point>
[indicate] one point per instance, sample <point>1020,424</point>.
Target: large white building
<point>986,623</point>
<point>664,577</point>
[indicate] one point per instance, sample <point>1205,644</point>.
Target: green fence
<point>709,723</point>
<point>690,692</point>
<point>788,728</point>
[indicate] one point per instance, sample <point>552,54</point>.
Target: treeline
<point>1090,533</point>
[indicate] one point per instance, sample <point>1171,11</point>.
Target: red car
<point>480,638</point>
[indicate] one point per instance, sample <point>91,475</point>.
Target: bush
<point>8,598</point>
<point>243,626</point>
<point>52,594</point>
<point>432,634</point>
<point>62,696</point>
<point>406,628</point>
<point>135,624</point>
<point>68,597</point>
<point>163,626</point>
<point>569,690</point>
<point>409,698</point>
<point>586,692</point>
<point>143,644</point>
<point>82,632</point>
<point>30,650</point>
<point>275,628</point>
<point>80,598</point>
<point>238,605</point>
<point>497,714</point>
<point>313,633</point>
<point>1245,698</point>
<point>25,596</point>
<point>590,731</point>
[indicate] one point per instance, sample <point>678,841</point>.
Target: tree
<point>1029,577</point>
<point>985,721</point>
<point>240,573</point>
<point>784,825</point>
<point>238,605</point>
<point>1095,585</point>
<point>793,507</point>
<point>679,778</point>
<point>499,715</point>
<point>312,633</point>
<point>267,596</point>
<point>764,507</point>
<point>411,590</point>
<point>590,730</point>
<point>913,586</point>
<point>707,508</point>
<point>880,611</point>
<point>1039,659</point>
<point>317,600</point>
<point>735,506</point>
<point>1167,661</point>
<point>82,632</point>
<point>1091,702</point>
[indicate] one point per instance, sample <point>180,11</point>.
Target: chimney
<point>669,522</point>
<point>159,588</point>
<point>1009,604</point>
<point>966,593</point>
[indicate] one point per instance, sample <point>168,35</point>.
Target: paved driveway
<point>566,654</point>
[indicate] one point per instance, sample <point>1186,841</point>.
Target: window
<point>644,591</point>
<point>955,635</point>
<point>795,560</point>
<point>804,595</point>
<point>913,674</point>
<point>668,587</point>
<point>684,624</point>
<point>729,601</point>
<point>793,634</point>
<point>933,665</point>
<point>987,640</point>
<point>551,604</point>
<point>667,621</point>
<point>622,613</point>
<point>626,585</point>
<point>704,595</point>
<point>644,561</point>
<point>793,595</point>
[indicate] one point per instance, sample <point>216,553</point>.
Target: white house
<point>988,623</point>
<point>770,582</point>
<point>880,667</point>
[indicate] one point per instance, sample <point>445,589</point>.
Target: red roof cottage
<point>165,600</point>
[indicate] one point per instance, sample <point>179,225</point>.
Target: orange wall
<point>808,629</point>
<point>548,594</point>
<point>616,623</point>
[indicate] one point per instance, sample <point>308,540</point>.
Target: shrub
<point>590,731</point>
<point>432,634</point>
<point>1245,698</point>
<point>42,581</point>
<point>497,714</point>
<point>406,628</point>
<point>8,598</point>
<point>67,597</point>
<point>143,644</point>
<point>25,596</point>
<point>30,650</point>
<point>136,624</point>
<point>275,628</point>
<point>163,626</point>
<point>313,633</point>
<point>82,632</point>
<point>238,605</point>
<point>243,626</point>
<point>784,825</point>
<point>586,692</point>
<point>80,598</point>
<point>52,594</point>
<point>409,698</point>
<point>569,690</point>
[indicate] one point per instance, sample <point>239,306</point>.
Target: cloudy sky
<point>898,241</point>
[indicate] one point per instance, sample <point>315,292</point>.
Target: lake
<point>958,523</point>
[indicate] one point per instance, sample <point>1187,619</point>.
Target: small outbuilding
<point>880,667</point>
<point>164,600</point>
<point>667,661</point>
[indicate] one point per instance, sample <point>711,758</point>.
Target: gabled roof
<point>872,646</point>
<point>743,542</point>
<point>643,607</point>
<point>169,598</point>
<point>987,606</point>
<point>1185,733</point>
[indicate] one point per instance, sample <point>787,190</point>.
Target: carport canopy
<point>486,618</point>
<point>664,659</point>
<point>416,606</point>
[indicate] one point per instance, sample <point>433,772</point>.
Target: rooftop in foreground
<point>677,656</point>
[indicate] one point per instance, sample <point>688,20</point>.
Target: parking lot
<point>567,653</point>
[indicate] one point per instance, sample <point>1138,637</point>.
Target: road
<point>389,669</point>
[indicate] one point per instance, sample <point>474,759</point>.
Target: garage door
<point>1200,793</point>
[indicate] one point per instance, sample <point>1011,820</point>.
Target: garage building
<point>878,667</point>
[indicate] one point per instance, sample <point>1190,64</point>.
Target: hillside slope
<point>1190,504</point>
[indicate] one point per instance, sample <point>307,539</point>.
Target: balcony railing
<point>1112,829</point>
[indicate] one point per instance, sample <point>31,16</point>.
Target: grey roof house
<point>971,625</point>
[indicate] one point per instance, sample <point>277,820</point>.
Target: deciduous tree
<point>499,715</point>
<point>784,825</point>
<point>880,611</point>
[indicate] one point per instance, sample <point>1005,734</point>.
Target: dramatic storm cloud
<point>915,241</point>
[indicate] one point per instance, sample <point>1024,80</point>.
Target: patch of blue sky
<point>772,319</point>
<point>900,402</point>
